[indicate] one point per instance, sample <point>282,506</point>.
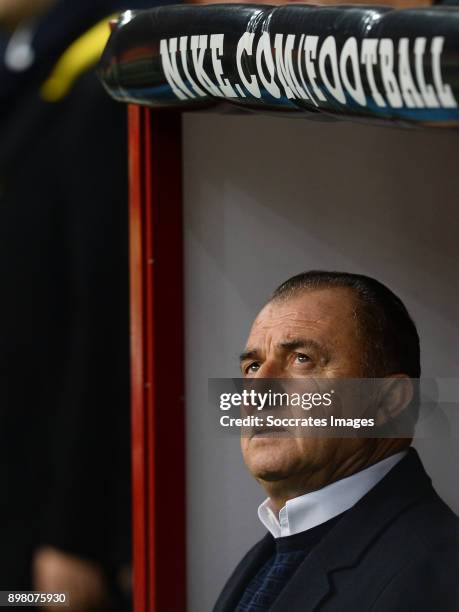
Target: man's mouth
<point>269,432</point>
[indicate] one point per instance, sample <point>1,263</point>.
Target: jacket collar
<point>307,511</point>
<point>405,485</point>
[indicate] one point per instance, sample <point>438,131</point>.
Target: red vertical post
<point>157,368</point>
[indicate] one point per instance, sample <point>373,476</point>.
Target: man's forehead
<point>286,320</point>
<point>310,308</point>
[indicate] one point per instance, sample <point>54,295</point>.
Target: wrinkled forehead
<point>324,312</point>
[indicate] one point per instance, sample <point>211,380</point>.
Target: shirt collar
<point>317,507</point>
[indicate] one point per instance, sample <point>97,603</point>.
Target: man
<point>354,523</point>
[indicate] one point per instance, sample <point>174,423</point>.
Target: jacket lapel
<point>406,484</point>
<point>306,589</point>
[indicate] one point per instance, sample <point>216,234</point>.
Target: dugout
<point>311,148</point>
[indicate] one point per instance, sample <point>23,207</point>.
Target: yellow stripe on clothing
<point>79,57</point>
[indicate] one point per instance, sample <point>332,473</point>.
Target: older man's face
<point>314,334</point>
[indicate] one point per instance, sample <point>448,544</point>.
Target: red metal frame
<point>157,368</point>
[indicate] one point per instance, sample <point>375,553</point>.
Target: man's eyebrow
<point>248,354</point>
<point>302,343</point>
<point>288,345</point>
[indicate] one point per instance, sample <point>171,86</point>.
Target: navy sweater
<point>288,553</point>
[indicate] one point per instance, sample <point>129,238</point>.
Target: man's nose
<point>270,369</point>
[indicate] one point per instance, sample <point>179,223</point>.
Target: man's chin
<point>270,458</point>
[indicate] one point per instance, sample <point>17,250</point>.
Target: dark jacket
<point>396,550</point>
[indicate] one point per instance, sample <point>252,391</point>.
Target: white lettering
<point>264,50</point>
<point>350,52</point>
<point>386,54</point>
<point>427,91</point>
<point>183,55</point>
<point>444,93</point>
<point>168,54</point>
<point>245,44</point>
<point>198,51</point>
<point>409,92</point>
<point>284,66</point>
<point>310,53</point>
<point>369,58</point>
<point>328,51</point>
<point>216,45</point>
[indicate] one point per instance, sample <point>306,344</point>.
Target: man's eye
<point>302,358</point>
<point>252,367</point>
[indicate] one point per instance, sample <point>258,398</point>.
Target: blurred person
<point>64,369</point>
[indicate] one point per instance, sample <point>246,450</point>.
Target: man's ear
<point>394,395</point>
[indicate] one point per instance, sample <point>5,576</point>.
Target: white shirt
<point>317,507</point>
